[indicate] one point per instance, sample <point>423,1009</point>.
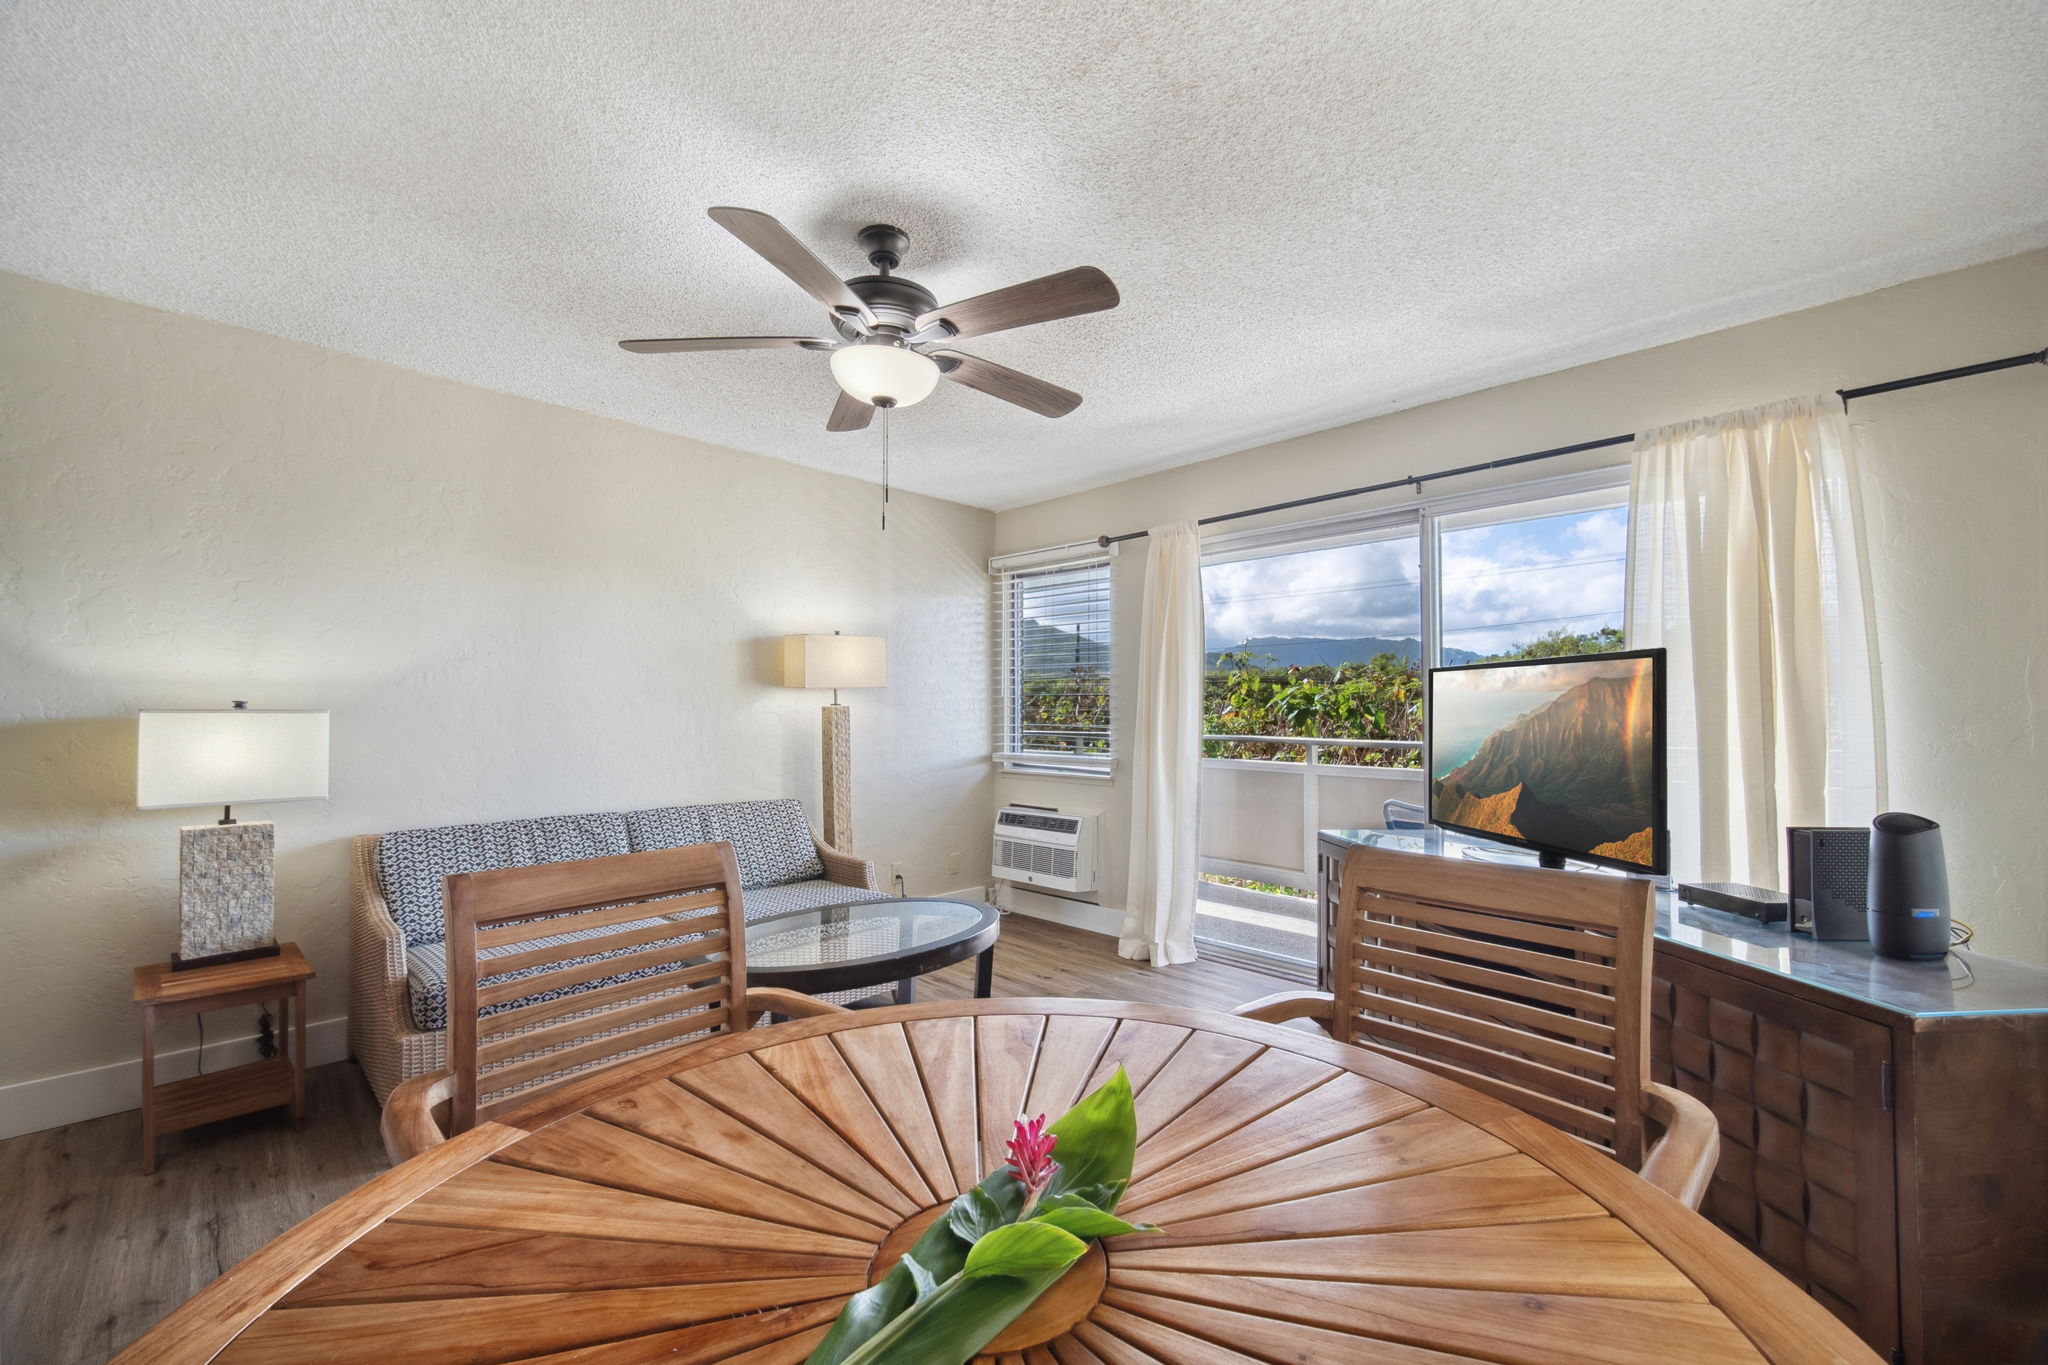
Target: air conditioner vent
<point>1051,849</point>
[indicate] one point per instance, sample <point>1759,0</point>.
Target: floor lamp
<point>836,661</point>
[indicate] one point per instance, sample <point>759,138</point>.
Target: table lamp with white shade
<point>227,902</point>
<point>836,661</point>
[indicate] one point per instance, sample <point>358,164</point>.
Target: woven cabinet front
<point>1806,1172</point>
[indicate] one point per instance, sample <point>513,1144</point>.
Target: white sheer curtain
<point>1166,752</point>
<point>1746,563</point>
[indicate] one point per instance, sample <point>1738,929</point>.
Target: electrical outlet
<point>895,871</point>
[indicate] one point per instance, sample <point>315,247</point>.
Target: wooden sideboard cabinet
<point>1884,1124</point>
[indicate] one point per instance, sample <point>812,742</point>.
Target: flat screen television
<point>1561,756</point>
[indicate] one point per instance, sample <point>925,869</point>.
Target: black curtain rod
<point>1416,481</point>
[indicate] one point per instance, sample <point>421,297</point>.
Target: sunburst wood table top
<point>719,1203</point>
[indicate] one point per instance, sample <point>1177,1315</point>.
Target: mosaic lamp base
<point>227,894</point>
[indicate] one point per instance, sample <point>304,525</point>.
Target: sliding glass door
<point>1318,638</point>
<point>1313,692</point>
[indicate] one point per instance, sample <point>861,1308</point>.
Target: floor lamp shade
<point>836,661</point>
<point>227,885</point>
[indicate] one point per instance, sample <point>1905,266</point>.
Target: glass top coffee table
<point>872,943</point>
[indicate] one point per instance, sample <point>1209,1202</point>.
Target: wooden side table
<point>161,993</point>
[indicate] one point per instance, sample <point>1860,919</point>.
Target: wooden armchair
<point>1530,985</point>
<point>527,1017</point>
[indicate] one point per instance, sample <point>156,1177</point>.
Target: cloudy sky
<point>1502,585</point>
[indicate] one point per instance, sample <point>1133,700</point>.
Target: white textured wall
<point>1956,480</point>
<point>511,609</point>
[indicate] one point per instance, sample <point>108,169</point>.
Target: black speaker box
<point>1828,880</point>
<point>1908,887</point>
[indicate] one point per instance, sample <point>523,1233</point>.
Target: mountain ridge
<point>1308,651</point>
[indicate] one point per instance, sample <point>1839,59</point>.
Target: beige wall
<point>511,609</point>
<point>1956,479</point>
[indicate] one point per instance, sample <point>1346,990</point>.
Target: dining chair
<point>1528,984</point>
<point>561,969</point>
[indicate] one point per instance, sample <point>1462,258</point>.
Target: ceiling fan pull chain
<point>885,469</point>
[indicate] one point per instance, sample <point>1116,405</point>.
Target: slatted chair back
<point>1528,984</point>
<point>669,922</point>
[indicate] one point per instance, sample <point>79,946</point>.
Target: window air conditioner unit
<point>1039,846</point>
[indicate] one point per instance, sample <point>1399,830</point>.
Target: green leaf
<point>975,1214</point>
<point>1098,1139</point>
<point>954,1324</point>
<point>940,1252</point>
<point>1103,1197</point>
<point>919,1275</point>
<point>928,1309</point>
<point>1071,1213</point>
<point>1023,1250</point>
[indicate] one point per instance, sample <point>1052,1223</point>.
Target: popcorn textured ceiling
<point>1315,212</point>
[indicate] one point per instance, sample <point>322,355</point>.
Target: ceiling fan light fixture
<point>881,368</point>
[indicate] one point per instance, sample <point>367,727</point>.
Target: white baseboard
<point>52,1101</point>
<point>1096,919</point>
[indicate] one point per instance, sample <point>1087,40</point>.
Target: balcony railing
<point>1312,767</point>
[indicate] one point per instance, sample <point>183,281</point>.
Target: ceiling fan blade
<point>658,346</point>
<point>849,414</point>
<point>783,251</point>
<point>1012,386</point>
<point>1046,299</point>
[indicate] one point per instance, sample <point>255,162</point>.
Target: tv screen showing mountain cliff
<point>1565,756</point>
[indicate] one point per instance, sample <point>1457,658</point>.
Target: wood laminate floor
<point>92,1251</point>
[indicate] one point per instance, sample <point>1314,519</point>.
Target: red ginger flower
<point>1030,1154</point>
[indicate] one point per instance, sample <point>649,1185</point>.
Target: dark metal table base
<point>984,980</point>
<point>899,971</point>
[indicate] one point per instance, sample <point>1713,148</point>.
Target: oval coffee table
<point>834,948</point>
<point>720,1202</point>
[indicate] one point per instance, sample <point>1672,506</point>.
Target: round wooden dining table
<point>719,1202</point>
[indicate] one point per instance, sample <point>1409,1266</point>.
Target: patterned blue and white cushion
<point>773,900</point>
<point>426,970</point>
<point>771,840</point>
<point>664,827</point>
<point>412,862</point>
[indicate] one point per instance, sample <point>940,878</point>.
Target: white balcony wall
<point>1258,820</point>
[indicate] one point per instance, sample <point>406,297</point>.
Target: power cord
<point>266,1039</point>
<point>1959,933</point>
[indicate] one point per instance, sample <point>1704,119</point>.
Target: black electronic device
<point>1561,756</point>
<point>1908,915</point>
<point>1759,903</point>
<point>1828,880</point>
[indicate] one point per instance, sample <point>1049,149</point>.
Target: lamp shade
<point>221,758</point>
<point>879,370</point>
<point>834,661</point>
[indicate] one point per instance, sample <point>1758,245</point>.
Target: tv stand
<point>1884,1125</point>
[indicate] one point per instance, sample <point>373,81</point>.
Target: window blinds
<point>1052,668</point>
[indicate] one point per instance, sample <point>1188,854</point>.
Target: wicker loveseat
<point>398,984</point>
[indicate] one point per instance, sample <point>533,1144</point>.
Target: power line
<point>1501,571</point>
<point>1535,621</point>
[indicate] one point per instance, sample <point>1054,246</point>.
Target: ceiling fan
<point>892,342</point>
